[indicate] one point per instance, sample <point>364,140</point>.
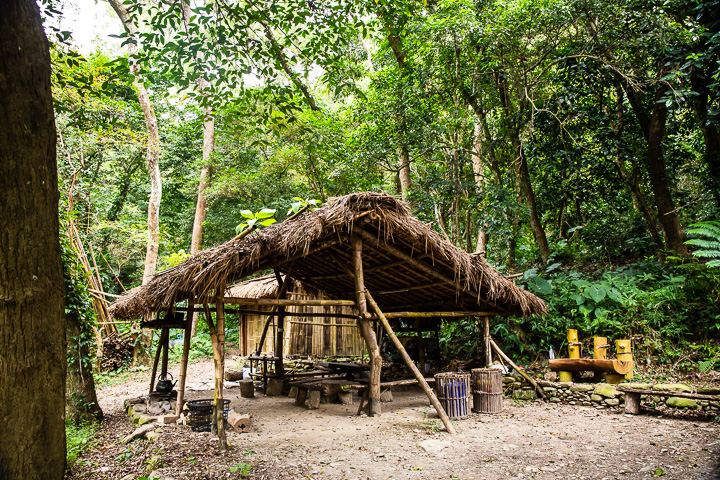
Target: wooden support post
<point>217,335</point>
<point>408,361</point>
<point>421,345</point>
<point>573,344</point>
<point>632,403</point>
<point>183,365</point>
<point>488,348</point>
<point>281,294</point>
<point>624,352</point>
<point>532,382</point>
<point>600,348</point>
<point>165,347</point>
<point>366,330</point>
<point>157,360</point>
<point>279,334</point>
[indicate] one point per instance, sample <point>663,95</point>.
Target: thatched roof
<point>407,265</point>
<point>261,287</point>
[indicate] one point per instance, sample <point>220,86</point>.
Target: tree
<point>32,321</point>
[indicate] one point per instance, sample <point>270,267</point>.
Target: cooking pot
<point>164,385</point>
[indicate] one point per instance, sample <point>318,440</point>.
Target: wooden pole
<point>281,293</point>
<point>287,302</point>
<point>532,382</point>
<point>183,365</point>
<point>624,352</point>
<point>165,347</point>
<point>279,333</point>
<point>374,405</point>
<point>488,348</point>
<point>421,345</point>
<point>157,360</point>
<point>600,348</point>
<point>408,361</point>
<point>217,335</point>
<point>573,344</point>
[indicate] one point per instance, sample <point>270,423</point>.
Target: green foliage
<point>242,468</point>
<point>300,203</point>
<point>79,438</point>
<point>708,240</point>
<point>262,218</point>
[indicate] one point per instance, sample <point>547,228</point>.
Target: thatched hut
<point>364,251</point>
<point>306,335</point>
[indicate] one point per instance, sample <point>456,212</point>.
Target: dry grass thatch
<point>261,287</point>
<point>302,238</point>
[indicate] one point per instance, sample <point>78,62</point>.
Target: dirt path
<point>538,441</point>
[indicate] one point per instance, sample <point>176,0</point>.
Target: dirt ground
<point>530,441</point>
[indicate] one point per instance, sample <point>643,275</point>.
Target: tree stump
<point>247,389</point>
<point>313,399</point>
<point>346,398</point>
<point>301,397</point>
<point>233,375</point>
<point>275,387</point>
<point>293,392</point>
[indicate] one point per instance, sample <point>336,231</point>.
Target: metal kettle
<point>164,385</point>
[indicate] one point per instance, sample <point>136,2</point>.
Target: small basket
<point>201,414</point>
<point>453,391</point>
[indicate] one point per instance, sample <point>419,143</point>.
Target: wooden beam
<point>279,332</point>
<point>287,302</point>
<point>183,366</point>
<point>321,324</point>
<point>424,267</point>
<point>374,405</point>
<point>408,361</point>
<point>281,293</point>
<point>532,382</point>
<point>437,314</point>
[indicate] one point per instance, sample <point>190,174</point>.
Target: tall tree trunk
<point>82,403</point>
<point>709,129</point>
<point>479,175</point>
<point>522,176</point>
<point>674,234</point>
<point>404,167</point>
<point>32,317</point>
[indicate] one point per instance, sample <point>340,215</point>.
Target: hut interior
<point>365,252</point>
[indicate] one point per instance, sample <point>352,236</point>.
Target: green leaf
<point>541,285</point>
<point>247,214</point>
<point>614,295</point>
<point>265,213</point>
<point>659,472</point>
<point>596,293</point>
<point>267,222</point>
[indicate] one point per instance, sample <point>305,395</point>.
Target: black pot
<point>164,385</point>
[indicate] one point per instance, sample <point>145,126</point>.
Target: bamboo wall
<point>302,334</point>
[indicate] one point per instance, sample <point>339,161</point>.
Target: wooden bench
<point>632,397</point>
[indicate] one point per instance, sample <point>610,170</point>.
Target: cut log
<point>233,375</point>
<point>346,398</point>
<point>239,423</point>
<point>313,399</point>
<point>621,367</point>
<point>247,389</point>
<point>632,403</point>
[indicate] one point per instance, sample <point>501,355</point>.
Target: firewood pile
<point>116,351</point>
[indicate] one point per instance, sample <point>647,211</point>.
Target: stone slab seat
<point>632,397</point>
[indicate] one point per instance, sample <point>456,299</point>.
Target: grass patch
<point>79,438</point>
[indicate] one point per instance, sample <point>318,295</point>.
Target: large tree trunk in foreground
<point>153,167</point>
<point>32,317</point>
<point>82,403</point>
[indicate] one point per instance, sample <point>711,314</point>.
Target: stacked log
<point>116,351</point>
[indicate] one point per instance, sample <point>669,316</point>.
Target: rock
<point>274,388</point>
<point>129,476</point>
<point>525,395</point>
<point>677,402</point>
<point>167,406</point>
<point>239,423</point>
<point>138,433</point>
<point>612,401</point>
<point>152,436</point>
<point>346,398</point>
<point>581,388</point>
<point>596,398</point>
<point>293,392</point>
<point>551,376</point>
<point>155,409</point>
<point>517,385</point>
<point>433,446</point>
<point>637,386</point>
<point>139,408</point>
<point>159,475</point>
<point>132,401</point>
<point>143,419</point>
<point>708,390</point>
<point>508,380</point>
<point>167,419</point>
<point>549,389</point>
<point>313,399</point>
<point>672,387</point>
<point>554,399</point>
<point>606,390</point>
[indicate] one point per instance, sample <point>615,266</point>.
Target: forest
<point>574,145</point>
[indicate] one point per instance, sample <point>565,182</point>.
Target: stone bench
<point>632,397</point>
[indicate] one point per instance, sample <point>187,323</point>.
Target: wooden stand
<point>247,388</point>
<point>624,352</point>
<point>183,365</point>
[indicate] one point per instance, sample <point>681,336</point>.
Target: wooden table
<point>632,397</point>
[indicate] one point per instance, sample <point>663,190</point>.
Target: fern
<point>708,239</point>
